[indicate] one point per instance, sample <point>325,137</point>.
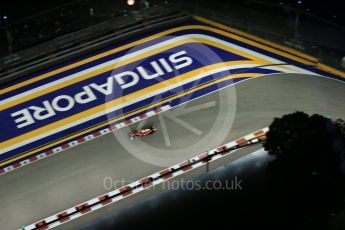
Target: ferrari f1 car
<point>141,133</point>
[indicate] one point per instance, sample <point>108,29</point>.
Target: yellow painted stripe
<point>252,75</point>
<point>141,41</point>
<point>262,46</point>
<point>115,102</point>
<point>313,60</point>
<point>255,38</point>
<point>90,59</point>
<point>330,70</point>
<point>125,62</point>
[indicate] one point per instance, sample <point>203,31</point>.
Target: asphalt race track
<point>75,175</point>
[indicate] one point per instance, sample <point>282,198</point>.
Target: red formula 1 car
<point>141,133</point>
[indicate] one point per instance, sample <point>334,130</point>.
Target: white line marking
<point>114,108</point>
<point>139,52</point>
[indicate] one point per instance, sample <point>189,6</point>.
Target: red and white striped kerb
<point>145,183</point>
<point>84,139</point>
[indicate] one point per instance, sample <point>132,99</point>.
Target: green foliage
<point>309,153</point>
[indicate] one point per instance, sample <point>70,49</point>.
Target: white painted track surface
<point>71,177</point>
